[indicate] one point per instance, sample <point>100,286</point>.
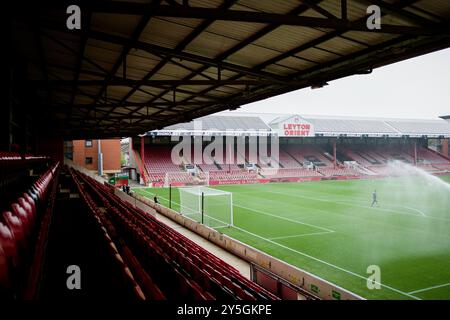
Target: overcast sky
<point>415,88</point>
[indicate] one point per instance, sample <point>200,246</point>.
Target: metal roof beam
<point>143,22</point>
<point>330,22</point>
<point>260,33</point>
<point>117,81</point>
<point>128,104</point>
<point>404,14</point>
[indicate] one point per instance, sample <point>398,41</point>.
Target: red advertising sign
<point>297,129</point>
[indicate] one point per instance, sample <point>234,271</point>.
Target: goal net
<point>211,207</point>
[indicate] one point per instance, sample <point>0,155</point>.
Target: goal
<point>211,207</point>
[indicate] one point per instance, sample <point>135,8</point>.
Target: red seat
<point>29,210</point>
<point>16,227</point>
<point>8,243</point>
<point>4,272</point>
<point>23,215</point>
<point>31,201</point>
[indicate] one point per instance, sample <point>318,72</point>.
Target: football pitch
<point>329,229</point>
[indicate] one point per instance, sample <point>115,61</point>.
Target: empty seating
<point>183,268</point>
<point>19,227</point>
<point>290,173</point>
<point>158,160</point>
<point>306,153</point>
<point>334,172</point>
<point>232,175</point>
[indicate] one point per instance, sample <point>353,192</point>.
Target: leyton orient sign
<point>295,127</point>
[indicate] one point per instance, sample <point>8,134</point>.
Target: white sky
<point>415,88</point>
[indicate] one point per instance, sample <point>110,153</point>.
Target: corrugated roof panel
<point>132,73</point>
<point>179,96</point>
<point>166,33</point>
<point>225,74</point>
<point>234,30</point>
<point>438,8</point>
<point>117,24</point>
<point>91,89</point>
<point>252,55</point>
<point>351,126</point>
<point>369,38</point>
<point>223,123</point>
<point>79,99</point>
<point>210,45</point>
<point>318,55</point>
<point>101,54</point>
<point>296,63</point>
<point>60,57</point>
<point>343,46</point>
<point>140,96</point>
<point>205,3</point>
<point>421,127</point>
<point>69,39</point>
<point>279,69</point>
<point>85,76</point>
<point>173,71</point>
<point>62,74</point>
<point>194,88</point>
<point>269,6</point>
<point>225,89</point>
<point>355,10</point>
<point>288,37</point>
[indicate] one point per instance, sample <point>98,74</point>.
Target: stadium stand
<point>232,175</point>
<point>290,173</point>
<point>309,154</point>
<point>165,263</point>
<point>158,160</point>
<point>333,172</point>
<point>137,66</point>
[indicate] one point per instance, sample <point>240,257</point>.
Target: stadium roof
<point>326,126</point>
<point>222,123</point>
<point>141,65</point>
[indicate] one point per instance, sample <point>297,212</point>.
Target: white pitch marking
<point>283,218</point>
<point>300,235</point>
<point>327,263</point>
<point>430,288</point>
<point>318,260</point>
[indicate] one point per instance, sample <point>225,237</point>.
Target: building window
<point>88,143</point>
<point>88,160</point>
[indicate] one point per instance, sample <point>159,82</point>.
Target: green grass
<point>329,229</point>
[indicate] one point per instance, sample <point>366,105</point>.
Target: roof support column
<point>415,152</point>
<point>444,147</point>
<point>334,153</point>
<point>142,150</point>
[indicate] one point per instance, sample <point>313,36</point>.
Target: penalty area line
<point>284,218</point>
<point>301,235</point>
<point>430,288</point>
<point>328,263</point>
<point>410,295</point>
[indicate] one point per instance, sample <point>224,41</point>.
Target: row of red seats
<point>118,260</point>
<point>19,226</point>
<point>199,267</point>
<point>289,173</point>
<point>232,175</point>
<point>6,155</point>
<point>159,262</point>
<point>332,172</point>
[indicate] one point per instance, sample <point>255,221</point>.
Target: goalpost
<point>211,207</point>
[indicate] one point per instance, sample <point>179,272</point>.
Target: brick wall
<point>110,149</point>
